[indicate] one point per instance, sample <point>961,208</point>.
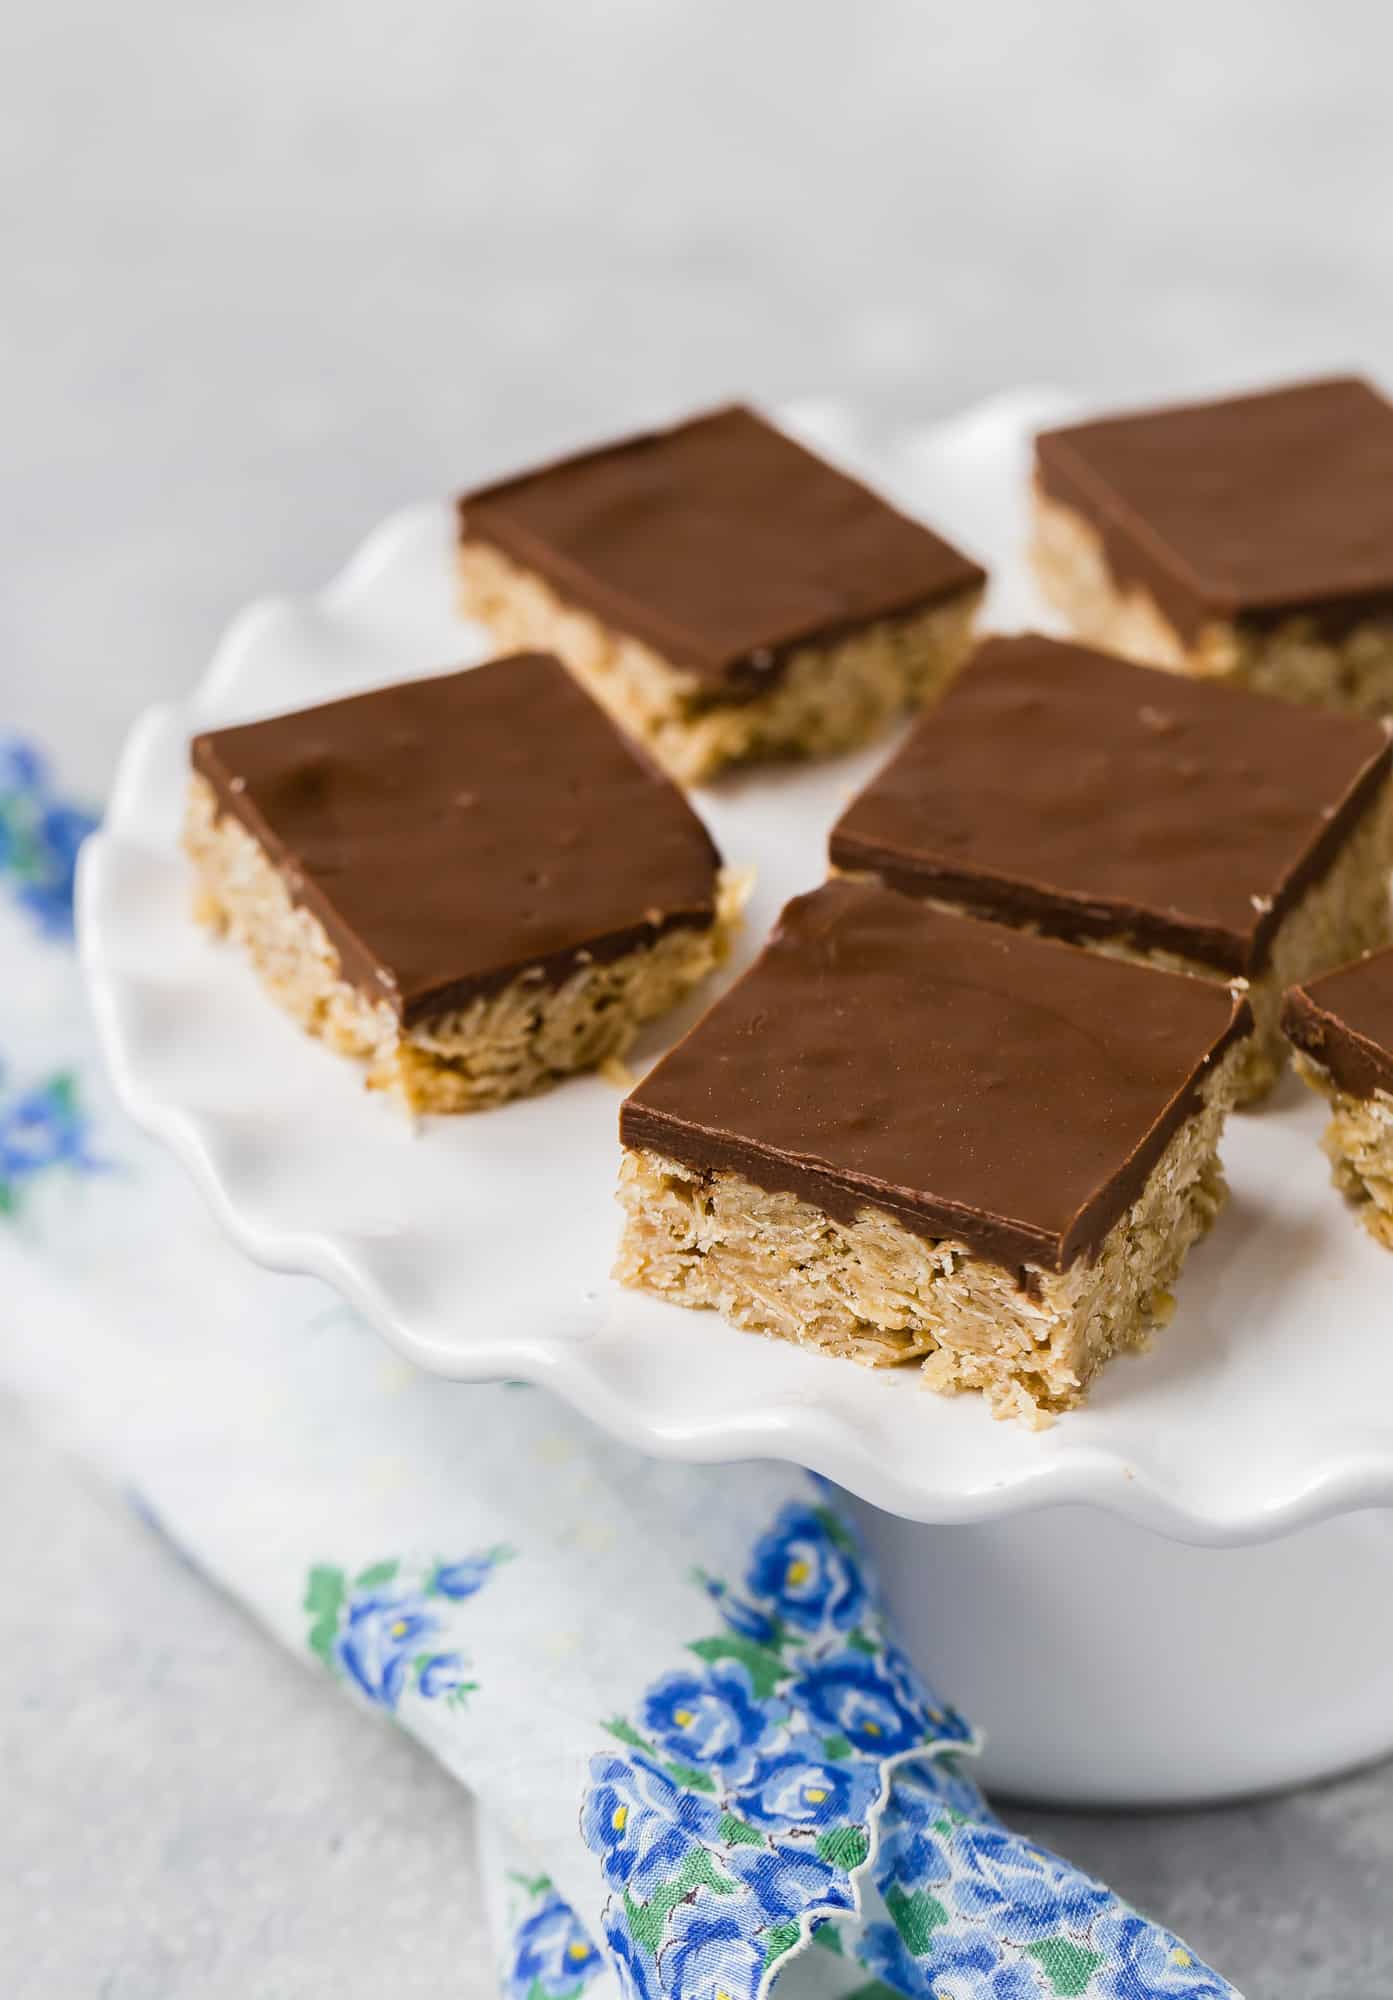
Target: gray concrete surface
<point>271,270</point>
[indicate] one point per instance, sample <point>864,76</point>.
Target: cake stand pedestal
<point>1108,1666</point>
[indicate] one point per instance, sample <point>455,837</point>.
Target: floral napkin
<point>704,1765</point>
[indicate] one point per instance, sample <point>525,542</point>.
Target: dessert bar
<point>721,590</point>
<point>907,1135</point>
<point>1342,1029</point>
<point>474,881</point>
<point>1212,830</point>
<point>1248,540</point>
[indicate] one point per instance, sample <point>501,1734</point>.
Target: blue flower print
<point>712,1951</point>
<point>552,1954</point>
<point>1017,1982</point>
<point>1019,1890</point>
<point>912,1853</point>
<point>883,1952</point>
<point>43,1127</point>
<point>861,1697</point>
<point>784,1882</point>
<point>39,838</point>
<point>747,1620</point>
<point>946,1725</point>
<point>939,1785</point>
<point>48,892</point>
<point>441,1675</point>
<point>709,1718</point>
<point>642,1825</point>
<point>957,1966</point>
<point>809,1572</point>
<point>801,1787</point>
<point>463,1579</point>
<point>634,1963</point>
<point>739,1806</point>
<point>21,768</point>
<point>1144,1962</point>
<point>382,1635</point>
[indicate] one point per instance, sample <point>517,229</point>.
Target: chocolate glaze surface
<point>1344,1020</point>
<point>971,1081</point>
<point>1255,508</point>
<point>720,542</point>
<point>1058,786</point>
<point>450,832</point>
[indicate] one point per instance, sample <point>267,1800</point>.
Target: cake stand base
<point>1109,1667</point>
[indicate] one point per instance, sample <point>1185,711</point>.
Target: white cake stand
<point>1177,1593</point>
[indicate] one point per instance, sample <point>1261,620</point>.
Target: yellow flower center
<point>619,1818</point>
<point>577,1951</point>
<point>871,1728</point>
<point>815,1794</point>
<point>797,1572</point>
<point>683,1717</point>
<point>400,1629</point>
<point>1181,1957</point>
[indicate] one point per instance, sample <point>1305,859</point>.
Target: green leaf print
<point>844,1847</point>
<point>375,1575</point>
<point>688,1775</point>
<point>1068,1966</point>
<point>765,1668</point>
<point>781,1939</point>
<point>324,1595</point>
<point>915,1917</point>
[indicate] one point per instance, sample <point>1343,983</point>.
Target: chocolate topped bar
<point>1248,510</point>
<point>1344,1021</point>
<point>719,542</point>
<point>1060,787</point>
<point>450,833</point>
<point>973,1082</point>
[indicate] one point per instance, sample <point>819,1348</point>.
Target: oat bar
<point>1342,1030</point>
<point>726,594</point>
<point>906,1135</point>
<point>473,882</point>
<point>1248,540</point>
<point>1213,830</point>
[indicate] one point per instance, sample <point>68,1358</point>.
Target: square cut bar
<point>473,881</point>
<point>1247,540</point>
<point>1212,830</point>
<point>906,1135</point>
<point>1342,1029</point>
<point>723,592</point>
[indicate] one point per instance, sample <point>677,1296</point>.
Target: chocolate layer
<point>449,833</point>
<point>1344,1021</point>
<point>971,1081</point>
<point>1253,509</point>
<point>1058,786</point>
<point>720,542</point>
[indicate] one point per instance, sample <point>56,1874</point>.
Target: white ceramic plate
<point>481,1246</point>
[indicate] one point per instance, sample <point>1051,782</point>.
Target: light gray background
<point>273,268</point>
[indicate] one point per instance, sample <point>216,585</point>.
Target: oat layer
<point>1358,1142</point>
